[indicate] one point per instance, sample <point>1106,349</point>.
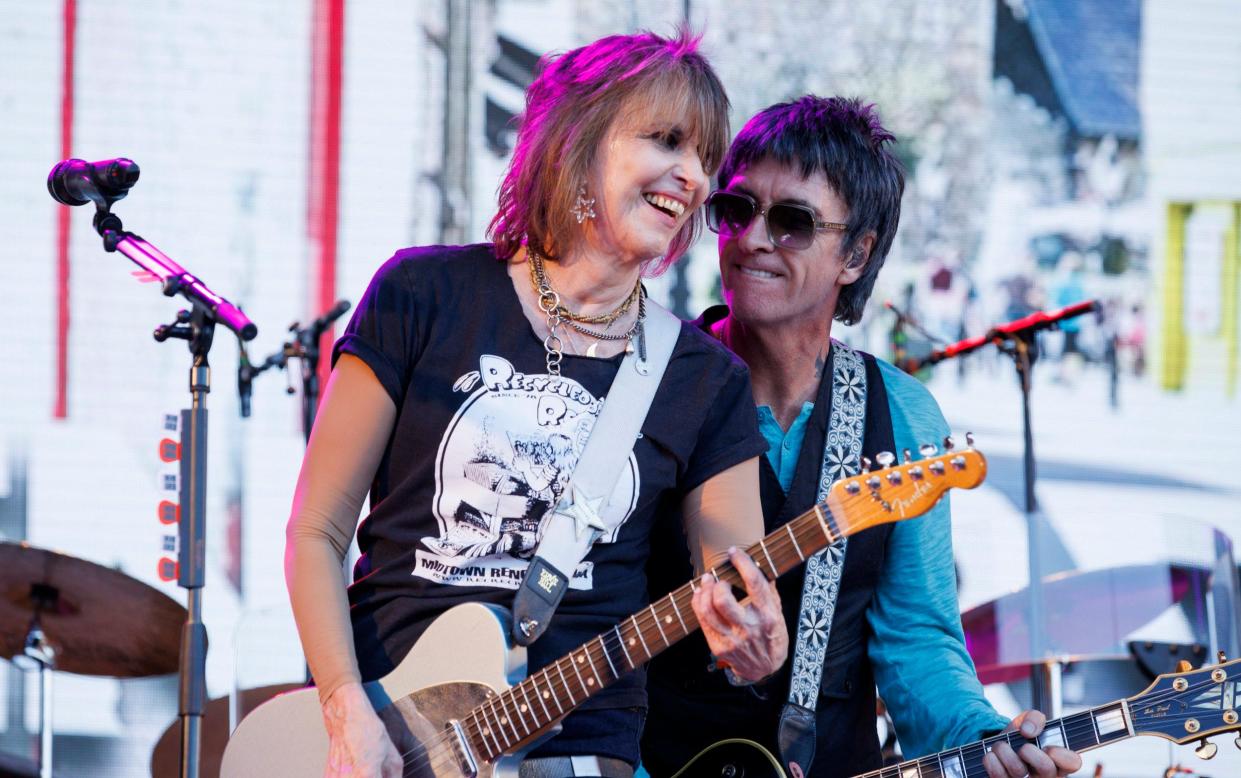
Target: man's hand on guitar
<point>751,639</point>
<point>359,746</point>
<point>1054,762</point>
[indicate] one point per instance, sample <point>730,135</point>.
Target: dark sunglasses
<point>789,225</point>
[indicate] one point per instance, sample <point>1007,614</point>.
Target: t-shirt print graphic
<point>504,459</point>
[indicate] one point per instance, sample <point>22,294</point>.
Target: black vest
<point>692,707</point>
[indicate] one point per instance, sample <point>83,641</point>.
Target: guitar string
<point>778,544</point>
<point>644,620</point>
<point>1082,725</point>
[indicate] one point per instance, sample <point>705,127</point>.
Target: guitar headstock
<point>902,491</point>
<point>1190,705</point>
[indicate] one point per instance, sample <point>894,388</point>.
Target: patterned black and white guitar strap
<point>842,457</point>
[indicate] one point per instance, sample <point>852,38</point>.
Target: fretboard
<point>1079,732</point>
<point>514,717</point>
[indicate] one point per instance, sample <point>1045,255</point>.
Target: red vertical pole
<point>60,407</point>
<point>327,70</point>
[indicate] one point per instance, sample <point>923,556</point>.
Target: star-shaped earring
<point>584,208</point>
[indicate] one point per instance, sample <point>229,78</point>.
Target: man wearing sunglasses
<point>806,213</point>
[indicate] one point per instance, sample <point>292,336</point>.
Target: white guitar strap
<point>842,457</point>
<point>576,521</point>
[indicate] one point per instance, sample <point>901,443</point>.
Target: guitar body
<point>734,758</point>
<point>463,658</point>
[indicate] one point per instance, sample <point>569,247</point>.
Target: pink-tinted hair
<point>571,106</point>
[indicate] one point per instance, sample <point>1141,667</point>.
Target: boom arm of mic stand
<point>175,278</point>
<point>1019,328</point>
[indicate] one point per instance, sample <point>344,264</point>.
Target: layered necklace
<point>558,315</point>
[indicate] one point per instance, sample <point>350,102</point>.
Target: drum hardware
<point>58,613</point>
<point>38,655</point>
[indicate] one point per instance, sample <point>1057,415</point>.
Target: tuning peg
<point>885,458</point>
<point>1184,666</point>
<point>866,463</point>
<point>1223,658</point>
<point>1207,750</point>
<point>907,455</point>
<point>969,439</point>
<point>949,443</point>
<point>928,450</point>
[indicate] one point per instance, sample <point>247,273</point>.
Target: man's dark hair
<point>843,138</point>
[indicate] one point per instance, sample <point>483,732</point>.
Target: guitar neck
<point>1079,732</point>
<point>520,714</point>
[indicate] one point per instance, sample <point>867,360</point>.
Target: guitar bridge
<point>461,752</point>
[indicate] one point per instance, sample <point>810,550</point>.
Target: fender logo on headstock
<point>920,490</point>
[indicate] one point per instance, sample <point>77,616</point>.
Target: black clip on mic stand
<point>74,182</point>
<point>304,346</point>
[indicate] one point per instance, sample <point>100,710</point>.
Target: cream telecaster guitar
<point>1182,707</point>
<point>460,704</point>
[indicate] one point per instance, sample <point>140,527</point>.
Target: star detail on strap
<point>584,511</point>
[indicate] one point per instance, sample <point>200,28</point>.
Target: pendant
<point>629,346</point>
<point>592,349</point>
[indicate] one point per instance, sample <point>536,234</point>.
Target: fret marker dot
<point>667,619</point>
<point>632,642</point>
<point>590,681</point>
<point>503,720</point>
<point>547,695</point>
<point>523,708</point>
<point>581,659</point>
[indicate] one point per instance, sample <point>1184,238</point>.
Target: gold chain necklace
<point>549,304</point>
<point>538,277</point>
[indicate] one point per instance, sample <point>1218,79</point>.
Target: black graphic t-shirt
<point>484,442</point>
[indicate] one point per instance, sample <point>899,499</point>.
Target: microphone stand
<point>1018,340</point>
<point>197,326</point>
<point>900,353</point>
<point>304,346</point>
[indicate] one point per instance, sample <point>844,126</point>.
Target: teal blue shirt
<point>922,669</point>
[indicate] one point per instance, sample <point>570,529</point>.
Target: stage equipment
<point>215,733</point>
<point>1095,611</point>
<point>68,184</point>
<point>75,182</point>
<point>1017,339</point>
<point>907,353</point>
<point>304,346</point>
<point>58,612</point>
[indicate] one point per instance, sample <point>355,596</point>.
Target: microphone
<point>320,325</point>
<point>76,182</point>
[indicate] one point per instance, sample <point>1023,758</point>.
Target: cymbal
<point>1088,616</point>
<point>166,757</point>
<point>101,621</point>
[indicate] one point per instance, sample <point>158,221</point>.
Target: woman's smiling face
<point>648,180</point>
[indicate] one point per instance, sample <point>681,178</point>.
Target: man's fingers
<point>1032,723</point>
<point>995,769</point>
<point>1039,763</point>
<point>1012,764</point>
<point>1067,762</point>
